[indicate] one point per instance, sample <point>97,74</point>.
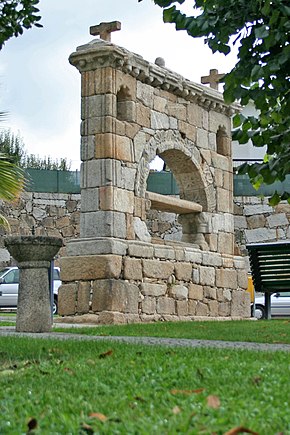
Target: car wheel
<point>260,312</point>
<point>54,306</point>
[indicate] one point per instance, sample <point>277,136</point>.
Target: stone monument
<point>131,111</point>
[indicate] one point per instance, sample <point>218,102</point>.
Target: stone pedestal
<point>33,255</point>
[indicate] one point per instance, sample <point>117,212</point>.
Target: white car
<point>9,282</point>
<point>280,305</point>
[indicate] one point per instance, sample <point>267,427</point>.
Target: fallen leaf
<point>240,429</point>
<point>99,416</point>
<point>187,392</point>
<point>88,429</point>
<point>69,371</point>
<point>105,354</point>
<point>257,380</point>
<point>213,402</point>
<point>32,424</point>
<point>139,398</point>
<point>176,410</point>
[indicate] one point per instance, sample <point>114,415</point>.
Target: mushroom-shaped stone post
<point>33,255</point>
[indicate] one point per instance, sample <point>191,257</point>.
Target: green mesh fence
<point>41,180</point>
<point>159,182</point>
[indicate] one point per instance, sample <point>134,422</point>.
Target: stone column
<point>33,255</point>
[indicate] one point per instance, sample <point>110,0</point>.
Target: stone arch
<point>182,157</point>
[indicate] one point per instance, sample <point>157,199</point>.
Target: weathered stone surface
<point>83,297</point>
<point>141,230</point>
<point>182,308</point>
<point>67,294</point>
<point>103,224</point>
<point>178,292</point>
<point>207,275</point>
<point>115,199</point>
<point>90,267</point>
<point>210,292</point>
<point>133,269</point>
<point>277,220</point>
<point>149,305</point>
<point>226,278</point>
<point>97,245</point>
<point>139,249</point>
<point>242,279</point>
<point>224,309</point>
<point>195,291</point>
<point>213,308</point>
<point>164,252</point>
<point>111,318</point>
<point>157,269</point>
<point>192,307</point>
<point>153,289</point>
<point>241,305</point>
<point>165,306</point>
<point>115,295</point>
<point>201,309</point>
<point>183,271</point>
<point>256,235</point>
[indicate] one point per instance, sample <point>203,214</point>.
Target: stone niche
<point>116,272</point>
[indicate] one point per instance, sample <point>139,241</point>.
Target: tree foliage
<point>13,147</point>
<point>15,16</point>
<point>261,29</point>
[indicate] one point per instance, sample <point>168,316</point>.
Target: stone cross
<point>212,79</point>
<point>105,30</point>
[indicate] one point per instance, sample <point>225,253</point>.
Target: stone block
<point>114,199</point>
<point>101,172</point>
<point>160,104</point>
<point>87,147</point>
<point>159,121</point>
<point>242,279</point>
<point>140,229</point>
<point>256,221</point>
<point>224,309</point>
<point>207,275</point>
<point>188,130</point>
<point>183,271</point>
<point>156,290</point>
<point>103,224</point>
<point>67,294</point>
<point>240,222</point>
<point>195,275</point>
<point>90,200</point>
<point>133,269</point>
<point>157,269</point>
<point>254,209</point>
<point>226,278</point>
<point>241,304</point>
<point>110,146</point>
<point>194,115</point>
<point>112,318</point>
<point>83,297</point>
<point>192,307</point>
<point>98,245</point>
<point>98,105</point>
<point>128,176</point>
<point>193,255</point>
<point>224,203</point>
<point>145,94</point>
<point>210,292</point>
<point>213,308</point>
<point>140,249</point>
<point>195,291</point>
<point>143,116</point>
<point>148,305</point>
<point>225,243</point>
<point>211,259</point>
<point>260,235</point>
<point>130,233</point>
<point>182,308</point>
<point>90,267</point>
<point>179,292</point>
<point>164,252</point>
<point>115,295</point>
<point>201,309</point>
<point>277,220</point>
<point>165,306</point>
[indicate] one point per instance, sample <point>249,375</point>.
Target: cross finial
<point>213,79</point>
<point>105,30</point>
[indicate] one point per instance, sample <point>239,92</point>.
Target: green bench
<point>270,266</point>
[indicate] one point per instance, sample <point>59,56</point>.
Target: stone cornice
<point>100,54</point>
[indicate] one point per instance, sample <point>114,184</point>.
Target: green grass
<point>274,331</point>
<point>66,387</point>
<point>4,323</point>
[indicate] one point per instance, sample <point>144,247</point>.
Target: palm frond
<point>12,180</point>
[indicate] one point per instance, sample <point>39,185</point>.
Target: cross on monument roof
<point>105,30</point>
<point>212,79</point>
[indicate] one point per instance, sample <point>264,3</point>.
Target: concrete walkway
<point>8,331</point>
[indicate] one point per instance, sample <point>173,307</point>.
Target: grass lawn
<point>262,331</point>
<point>73,387</point>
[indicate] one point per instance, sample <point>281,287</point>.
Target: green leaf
<point>275,199</point>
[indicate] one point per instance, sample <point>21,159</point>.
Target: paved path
<point>172,342</point>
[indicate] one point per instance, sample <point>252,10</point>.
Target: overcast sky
<point>40,89</point>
